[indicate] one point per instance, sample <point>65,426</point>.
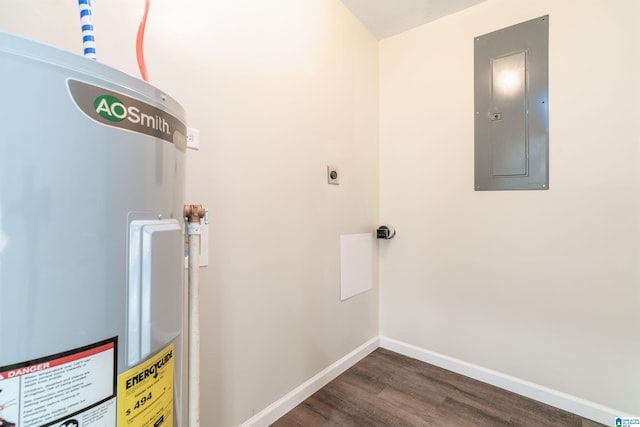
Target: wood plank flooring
<point>389,389</point>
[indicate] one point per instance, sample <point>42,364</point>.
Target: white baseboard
<point>566,402</point>
<point>286,403</point>
<point>584,408</point>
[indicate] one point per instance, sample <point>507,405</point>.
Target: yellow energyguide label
<point>145,392</point>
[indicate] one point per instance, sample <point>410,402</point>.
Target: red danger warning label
<point>75,388</point>
<point>24,371</point>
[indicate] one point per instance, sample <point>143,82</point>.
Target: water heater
<point>91,243</point>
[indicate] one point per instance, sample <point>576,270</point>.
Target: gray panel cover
<point>511,108</point>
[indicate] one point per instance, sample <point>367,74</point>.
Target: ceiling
<point>385,18</point>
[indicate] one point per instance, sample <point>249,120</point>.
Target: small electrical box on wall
<point>386,232</point>
<point>511,132</point>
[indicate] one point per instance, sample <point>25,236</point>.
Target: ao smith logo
<point>117,110</point>
<point>111,108</point>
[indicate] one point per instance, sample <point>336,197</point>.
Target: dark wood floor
<point>388,389</point>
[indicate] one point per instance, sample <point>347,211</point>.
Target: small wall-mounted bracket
<point>386,232</point>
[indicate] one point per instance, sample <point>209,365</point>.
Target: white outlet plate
<point>193,138</point>
<point>333,176</point>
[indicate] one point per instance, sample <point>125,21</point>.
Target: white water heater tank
<point>91,244</point>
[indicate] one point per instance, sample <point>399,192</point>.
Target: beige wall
<point>540,285</point>
<point>278,90</point>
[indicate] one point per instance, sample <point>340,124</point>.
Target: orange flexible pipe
<point>140,42</point>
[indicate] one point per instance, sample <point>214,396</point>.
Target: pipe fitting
<point>194,213</point>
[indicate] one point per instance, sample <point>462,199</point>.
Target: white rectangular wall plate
<point>356,264</point>
<point>193,138</point>
<point>333,176</point>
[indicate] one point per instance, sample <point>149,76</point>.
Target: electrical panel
<point>511,100</point>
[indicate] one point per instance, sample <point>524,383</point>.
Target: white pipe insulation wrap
<point>86,19</point>
<point>193,230</point>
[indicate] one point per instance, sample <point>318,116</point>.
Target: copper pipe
<point>194,213</point>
